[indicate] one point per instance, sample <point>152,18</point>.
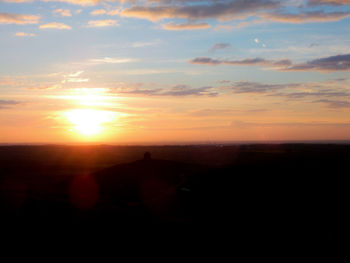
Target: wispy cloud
<point>98,12</point>
<point>328,2</point>
<point>9,18</point>
<point>102,23</point>
<point>334,103</point>
<point>176,91</point>
<point>327,64</point>
<point>55,25</point>
<point>23,34</point>
<point>243,62</point>
<point>62,12</point>
<point>108,60</point>
<point>214,9</point>
<point>307,17</point>
<point>333,63</point>
<point>185,26</point>
<point>7,103</point>
<point>77,2</point>
<point>146,43</point>
<point>219,46</point>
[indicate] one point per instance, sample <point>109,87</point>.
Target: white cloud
<point>108,60</point>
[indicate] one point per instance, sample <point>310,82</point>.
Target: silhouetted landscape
<point>291,191</point>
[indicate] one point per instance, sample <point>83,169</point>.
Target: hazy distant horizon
<point>222,143</point>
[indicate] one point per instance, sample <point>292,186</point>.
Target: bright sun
<point>89,122</point>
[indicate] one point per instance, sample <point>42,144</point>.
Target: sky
<point>174,71</point>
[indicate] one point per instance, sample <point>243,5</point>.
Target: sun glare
<point>89,122</point>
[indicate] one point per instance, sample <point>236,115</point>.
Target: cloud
<point>333,63</point>
<point>214,9</point>
<point>77,2</point>
<point>176,91</point>
<point>102,23</point>
<point>74,78</point>
<point>219,46</point>
<point>146,44</point>
<point>76,74</point>
<point>54,25</point>
<point>223,112</point>
<point>8,18</point>
<point>16,1</point>
<point>23,34</point>
<point>244,124</point>
<point>7,103</point>
<point>185,26</point>
<point>244,62</point>
<point>255,87</point>
<point>324,89</point>
<point>97,12</point>
<point>329,2</point>
<point>299,95</point>
<point>62,12</point>
<point>334,103</point>
<point>307,17</point>
<point>327,64</point>
<point>108,60</point>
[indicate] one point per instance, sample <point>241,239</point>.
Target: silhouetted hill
<point>292,191</point>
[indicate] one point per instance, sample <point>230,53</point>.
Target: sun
<point>89,122</point>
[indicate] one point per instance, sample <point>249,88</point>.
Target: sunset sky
<point>174,71</point>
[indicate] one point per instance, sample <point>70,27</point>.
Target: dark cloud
<point>329,2</point>
<point>21,19</point>
<point>222,10</point>
<point>6,103</point>
<point>219,46</point>
<point>334,103</point>
<point>244,62</point>
<point>327,64</point>
<point>176,91</point>
<point>254,87</point>
<point>322,90</point>
<point>333,63</point>
<point>299,95</point>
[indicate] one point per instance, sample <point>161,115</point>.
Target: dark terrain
<point>281,191</point>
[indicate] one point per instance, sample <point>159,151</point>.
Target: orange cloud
<point>98,12</point>
<point>218,10</point>
<point>8,18</point>
<point>102,23</point>
<point>23,34</point>
<point>55,25</point>
<point>76,2</point>
<point>62,12</point>
<point>185,26</point>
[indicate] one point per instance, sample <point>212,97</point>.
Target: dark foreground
<point>286,192</point>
